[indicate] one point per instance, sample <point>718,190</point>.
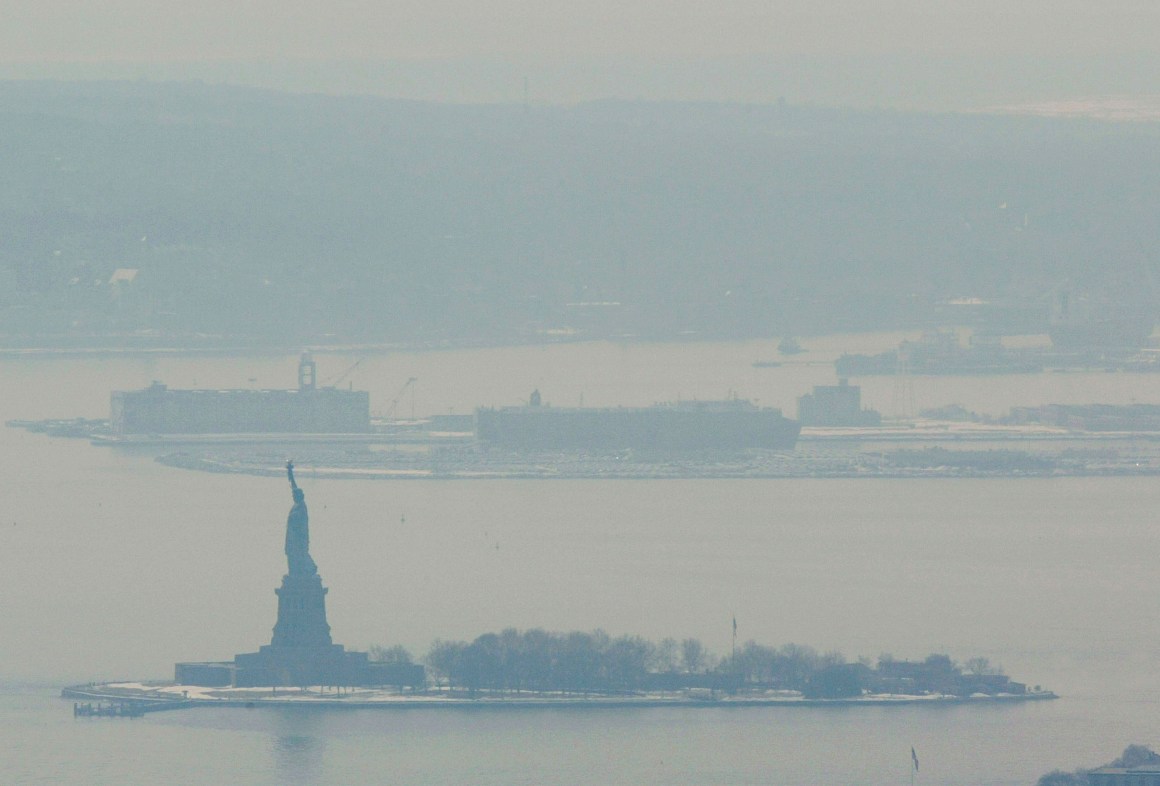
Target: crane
<point>408,385</point>
<point>333,382</point>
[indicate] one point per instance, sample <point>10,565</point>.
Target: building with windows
<point>309,409</point>
<point>836,405</point>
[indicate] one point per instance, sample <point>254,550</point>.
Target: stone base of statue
<point>301,652</point>
<point>301,613</point>
<point>300,666</point>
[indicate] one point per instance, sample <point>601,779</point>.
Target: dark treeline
<point>595,662</point>
<point>583,662</point>
<point>539,660</point>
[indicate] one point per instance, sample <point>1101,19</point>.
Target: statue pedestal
<point>301,652</point>
<point>299,666</point>
<point>301,613</point>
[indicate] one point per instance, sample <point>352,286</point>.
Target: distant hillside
<point>279,217</point>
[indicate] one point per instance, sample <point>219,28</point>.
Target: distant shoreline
<point>919,449</point>
<point>921,461</point>
<point>338,473</point>
<point>172,697</point>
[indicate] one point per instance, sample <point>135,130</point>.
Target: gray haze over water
<point>115,567</point>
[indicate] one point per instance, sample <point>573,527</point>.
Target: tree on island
<point>665,655</point>
<point>692,655</point>
<point>981,667</point>
<point>837,681</point>
<point>579,662</point>
<point>395,654</point>
<point>1136,756</point>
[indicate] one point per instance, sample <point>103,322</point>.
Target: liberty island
<point>303,666</point>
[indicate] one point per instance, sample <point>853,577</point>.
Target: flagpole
<point>735,645</point>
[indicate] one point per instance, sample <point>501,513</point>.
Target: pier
<point>112,710</point>
<point>94,701</point>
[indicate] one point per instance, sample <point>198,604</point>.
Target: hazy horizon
<point>905,55</point>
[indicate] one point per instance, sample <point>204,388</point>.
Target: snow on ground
<point>381,697</point>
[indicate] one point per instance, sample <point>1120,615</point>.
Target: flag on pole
<point>914,758</point>
<point>734,624</point>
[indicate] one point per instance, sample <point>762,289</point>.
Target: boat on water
<point>790,346</point>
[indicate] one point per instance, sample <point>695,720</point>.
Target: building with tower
<point>308,409</point>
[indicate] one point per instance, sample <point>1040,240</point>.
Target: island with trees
<point>513,663</point>
<point>537,667</point>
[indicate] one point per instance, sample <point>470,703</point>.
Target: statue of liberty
<point>298,532</point>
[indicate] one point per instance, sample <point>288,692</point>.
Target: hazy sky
<point>147,30</point>
<point>160,38</point>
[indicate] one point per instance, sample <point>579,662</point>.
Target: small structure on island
<point>836,405</point>
<point>301,651</point>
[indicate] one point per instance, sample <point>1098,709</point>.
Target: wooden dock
<point>114,709</point>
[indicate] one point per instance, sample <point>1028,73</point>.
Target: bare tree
<point>692,655</point>
<point>664,657</point>
<point>395,654</point>
<point>980,666</point>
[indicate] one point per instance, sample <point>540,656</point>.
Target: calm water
<point>114,566</point>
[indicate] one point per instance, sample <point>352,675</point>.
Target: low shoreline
<point>922,449</point>
<point>998,459</point>
<point>156,698</point>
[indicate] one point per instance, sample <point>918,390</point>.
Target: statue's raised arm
<point>290,474</point>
